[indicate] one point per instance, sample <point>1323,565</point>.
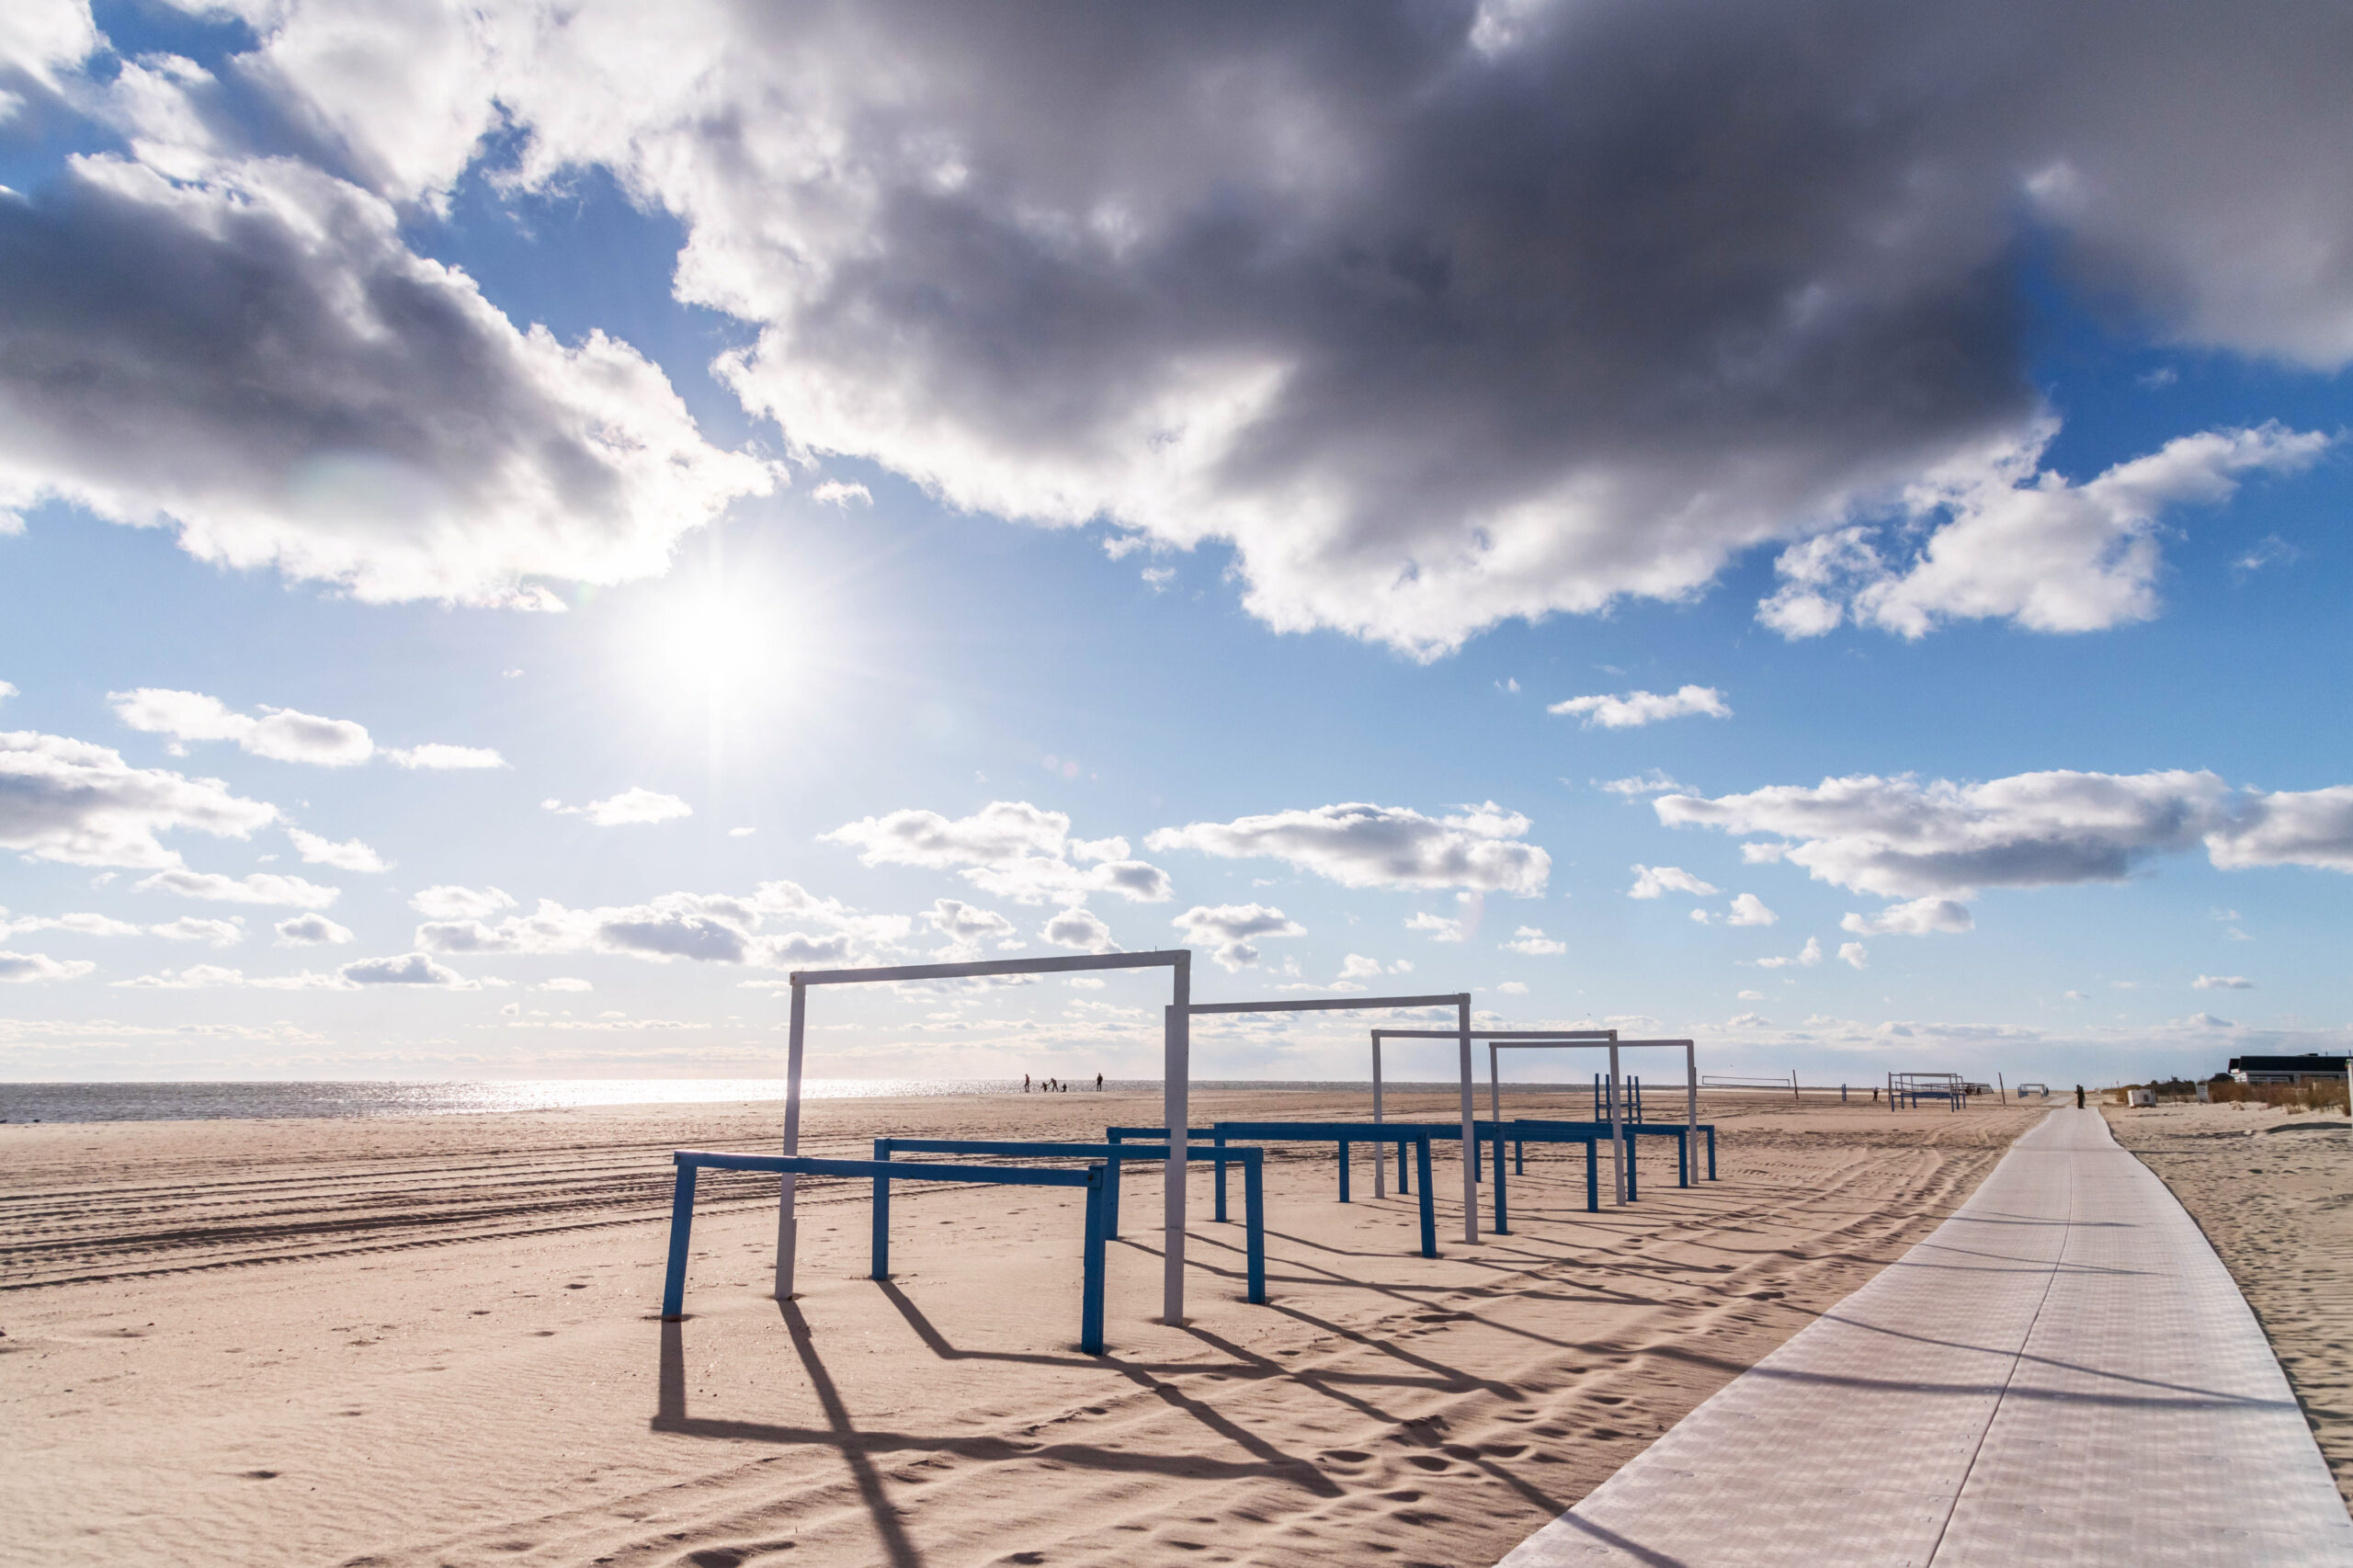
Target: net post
<point>879,1266</point>
<point>1177,1056</point>
<point>787,1228</point>
<point>1469,1130</point>
<point>1430,1210</point>
<point>1617,1133</point>
<point>1090,1313</point>
<point>1253,1220</point>
<point>1381,1150</point>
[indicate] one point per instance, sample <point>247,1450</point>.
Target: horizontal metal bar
<point>1534,1035</point>
<point>1333,1131</point>
<point>1061,1151</point>
<point>1334,1005</point>
<point>803,1165</point>
<point>1162,958</point>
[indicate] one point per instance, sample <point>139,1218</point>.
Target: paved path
<point>2064,1374</point>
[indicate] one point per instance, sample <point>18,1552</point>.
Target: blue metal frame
<point>1254,1204</point>
<point>1342,1134</point>
<point>1526,1131</point>
<point>682,1213</point>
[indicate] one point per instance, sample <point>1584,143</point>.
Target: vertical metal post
<point>1430,1209</point>
<point>879,1265</point>
<point>1494,1087</point>
<point>1090,1311</point>
<point>682,1227</point>
<point>1254,1218</point>
<point>1177,1056</point>
<point>1793,1083</point>
<point>1503,1215</point>
<point>2002,1088</point>
<point>1217,1139</point>
<point>1617,1132</point>
<point>1343,1169</point>
<point>1381,1150</point>
<point>788,1230</point>
<point>1690,1087</point>
<point>1592,1177</point>
<point>1469,1130</point>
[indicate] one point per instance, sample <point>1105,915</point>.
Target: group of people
<point>1055,1086</point>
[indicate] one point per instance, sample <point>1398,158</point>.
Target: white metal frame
<point>1175,1066</point>
<point>1461,1033</point>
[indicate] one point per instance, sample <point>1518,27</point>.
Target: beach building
<point>2305,1069</point>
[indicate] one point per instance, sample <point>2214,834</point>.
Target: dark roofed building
<point>2286,1069</point>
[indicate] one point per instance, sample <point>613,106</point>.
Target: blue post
<point>1478,1171</point>
<point>1090,1311</point>
<point>1254,1214</point>
<point>1111,1194</point>
<point>1633,1186</point>
<point>880,1269</point>
<point>1683,1158</point>
<point>1596,1098</point>
<point>1405,1177</point>
<point>1712,1154</point>
<point>1518,1157</point>
<point>1217,1141</point>
<point>1343,1170</point>
<point>682,1225</point>
<point>1503,1217</point>
<point>1429,1215</point>
<point>1593,1175</point>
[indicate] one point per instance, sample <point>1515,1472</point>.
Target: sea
<point>359,1098</point>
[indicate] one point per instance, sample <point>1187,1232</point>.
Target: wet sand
<point>433,1341</point>
<point>2273,1191</point>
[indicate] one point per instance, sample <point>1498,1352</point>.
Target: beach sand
<point>2273,1191</point>
<point>433,1340</point>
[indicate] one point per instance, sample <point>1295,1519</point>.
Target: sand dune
<point>431,1341</point>
<point>2273,1191</point>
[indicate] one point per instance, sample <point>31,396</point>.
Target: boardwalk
<point>2063,1373</point>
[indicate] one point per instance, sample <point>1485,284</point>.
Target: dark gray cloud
<point>256,360</point>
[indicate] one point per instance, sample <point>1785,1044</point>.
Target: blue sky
<point>826,560</point>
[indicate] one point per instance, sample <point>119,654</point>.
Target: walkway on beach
<point>2063,1373</point>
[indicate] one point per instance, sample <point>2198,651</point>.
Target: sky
<point>1816,529</point>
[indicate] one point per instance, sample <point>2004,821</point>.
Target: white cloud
<point>966,927</point>
<point>1806,957</point>
<point>1748,909</point>
<point>279,734</point>
<point>348,855</point>
<point>259,887</point>
<point>706,927</point>
<point>1654,782</point>
<point>564,982</point>
<point>2222,983</point>
<point>1900,838</point>
<point>1441,928</point>
<point>406,969</point>
<point>1234,930</point>
<point>1747,1021</point>
<point>1702,917</point>
<point>1752,996</point>
<point>1078,926</point>
<point>325,402</point>
<point>741,832</point>
<point>7,690</point>
<point>1638,708</point>
<point>24,969</point>
<point>1853,954</point>
<point>80,925</point>
<point>1650,881</point>
<point>1916,918</point>
<point>435,755</point>
<point>2019,542</point>
<point>1362,845</point>
<point>840,493</point>
<point>451,902</point>
<point>1531,940</point>
<point>1007,848</point>
<point>310,930</point>
<point>1357,966</point>
<point>69,801</point>
<point>191,928</point>
<point>631,806</point>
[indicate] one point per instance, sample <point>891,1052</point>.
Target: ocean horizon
<point>225,1100</point>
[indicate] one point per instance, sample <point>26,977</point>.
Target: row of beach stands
<point>1219,1144</point>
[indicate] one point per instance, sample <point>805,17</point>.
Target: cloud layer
<point>1363,845</point>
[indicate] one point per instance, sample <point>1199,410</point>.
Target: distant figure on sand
<point>1098,1083</point>
<point>2079,1096</point>
<point>1025,1083</point>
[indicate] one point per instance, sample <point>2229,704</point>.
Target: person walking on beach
<point>1025,1083</point>
<point>1098,1083</point>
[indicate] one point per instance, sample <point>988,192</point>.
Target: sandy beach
<point>433,1340</point>
<point>2273,1191</point>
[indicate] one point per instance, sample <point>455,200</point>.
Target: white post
<point>1469,1128</point>
<point>1176,1105</point>
<point>1691,1099</point>
<point>787,1228</point>
<point>1380,1152</point>
<point>2002,1088</point>
<point>1494,1087</point>
<point>1617,1132</point>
